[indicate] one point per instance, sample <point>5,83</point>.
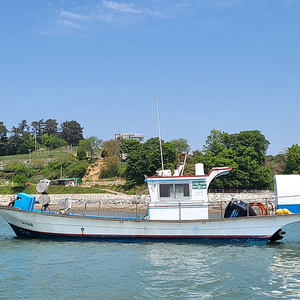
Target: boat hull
<point>20,232</point>
<point>36,224</point>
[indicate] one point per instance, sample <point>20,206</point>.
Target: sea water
<point>40,269</point>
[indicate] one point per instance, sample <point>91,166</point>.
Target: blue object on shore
<point>25,201</point>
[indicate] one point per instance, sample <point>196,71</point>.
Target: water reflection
<point>284,280</point>
<point>149,270</point>
<point>199,271</point>
<point>214,272</point>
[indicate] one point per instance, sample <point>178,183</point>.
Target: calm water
<point>37,269</point>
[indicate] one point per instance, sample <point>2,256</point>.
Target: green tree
<point>37,129</point>
<point>250,148</point>
<point>225,158</point>
<point>293,160</point>
<point>52,141</point>
<point>276,163</point>
<point>250,173</point>
<point>3,139</point>
<point>180,145</point>
<point>20,140</point>
<point>111,148</point>
<point>244,152</point>
<point>20,179</point>
<point>91,145</point>
<point>51,127</point>
<point>81,154</point>
<point>134,162</point>
<point>76,169</point>
<point>216,142</point>
<point>71,132</point>
<point>111,151</point>
<point>66,167</point>
<point>192,159</point>
<point>145,159</point>
<point>21,172</point>
<point>252,138</point>
<point>54,168</point>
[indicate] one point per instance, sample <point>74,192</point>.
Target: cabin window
<point>166,190</point>
<point>182,190</point>
<point>178,191</point>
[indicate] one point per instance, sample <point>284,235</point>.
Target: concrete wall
<point>260,196</point>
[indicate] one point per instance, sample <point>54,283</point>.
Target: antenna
<point>161,154</point>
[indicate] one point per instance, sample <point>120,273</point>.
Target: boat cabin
<point>287,192</point>
<point>181,197</point>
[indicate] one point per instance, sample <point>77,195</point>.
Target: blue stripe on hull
<point>20,232</point>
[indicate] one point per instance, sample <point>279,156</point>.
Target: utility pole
<point>35,145</point>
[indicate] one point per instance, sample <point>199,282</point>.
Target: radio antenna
<point>161,154</point>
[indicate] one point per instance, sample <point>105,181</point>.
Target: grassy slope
<point>46,155</point>
<point>54,190</point>
<point>39,154</point>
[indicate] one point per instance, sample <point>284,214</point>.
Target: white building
<point>130,136</point>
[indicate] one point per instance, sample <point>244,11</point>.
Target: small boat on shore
<point>178,211</point>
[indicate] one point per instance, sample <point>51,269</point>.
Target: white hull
<point>36,224</point>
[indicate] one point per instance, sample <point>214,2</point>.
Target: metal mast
<point>161,154</point>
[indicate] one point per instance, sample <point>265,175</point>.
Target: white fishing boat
<point>178,211</point>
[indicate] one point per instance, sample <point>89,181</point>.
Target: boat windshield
<point>174,190</point>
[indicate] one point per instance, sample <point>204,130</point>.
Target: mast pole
<point>161,154</point>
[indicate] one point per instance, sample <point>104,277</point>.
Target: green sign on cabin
<point>199,185</point>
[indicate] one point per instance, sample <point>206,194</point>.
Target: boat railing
<point>237,191</point>
<point>116,209</point>
<point>265,206</point>
<point>261,206</point>
<point>137,208</point>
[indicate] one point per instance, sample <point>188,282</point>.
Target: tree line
<point>244,152</point>
<point>25,138</point>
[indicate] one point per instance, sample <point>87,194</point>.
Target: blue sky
<point>230,65</point>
